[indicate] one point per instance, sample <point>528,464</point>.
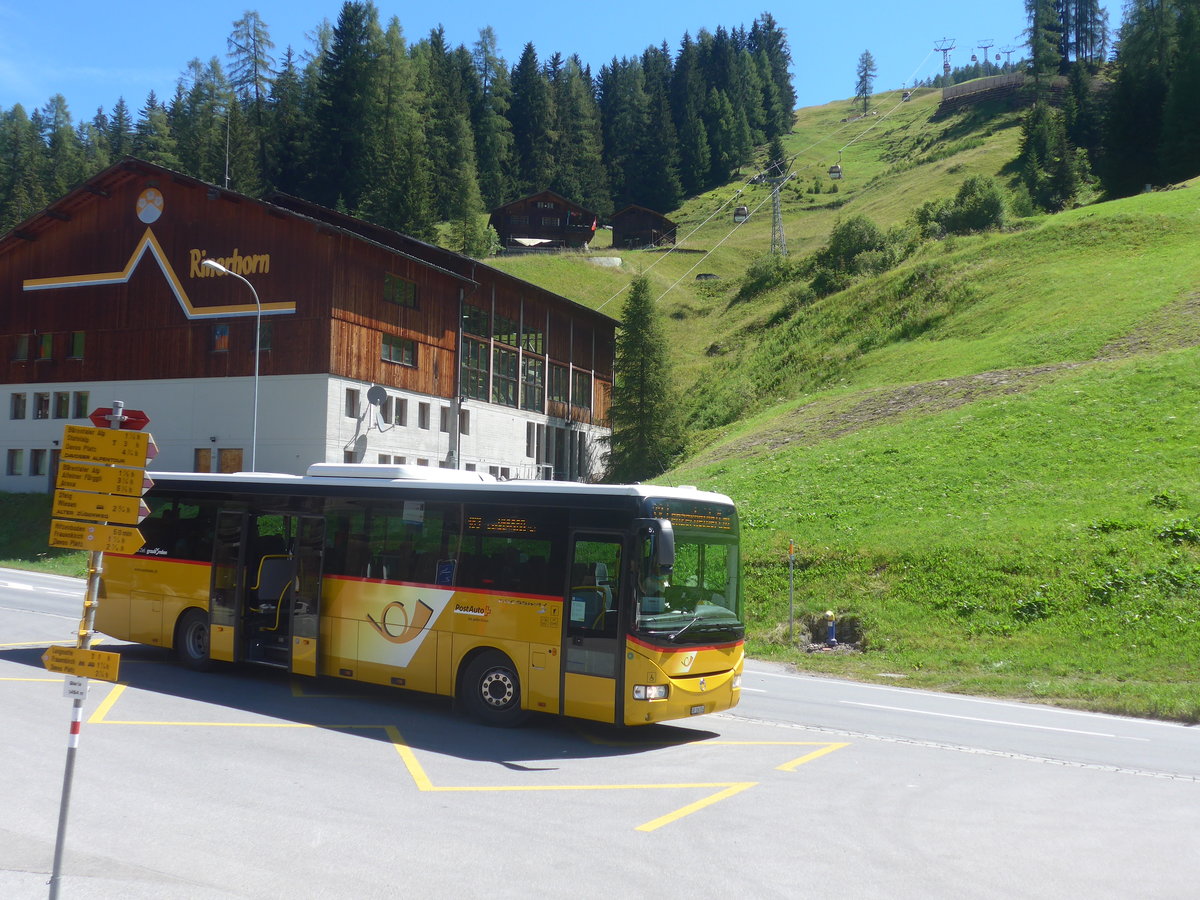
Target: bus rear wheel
<point>491,690</point>
<point>191,640</point>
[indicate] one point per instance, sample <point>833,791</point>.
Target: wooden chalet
<point>637,226</point>
<point>543,221</point>
<point>373,347</point>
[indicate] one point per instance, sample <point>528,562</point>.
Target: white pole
<point>213,264</point>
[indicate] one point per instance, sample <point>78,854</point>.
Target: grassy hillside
<point>986,456</point>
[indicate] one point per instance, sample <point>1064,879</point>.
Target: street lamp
<point>216,266</point>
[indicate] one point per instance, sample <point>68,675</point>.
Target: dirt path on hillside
<point>1174,327</point>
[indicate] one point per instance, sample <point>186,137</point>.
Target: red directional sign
<point>135,419</point>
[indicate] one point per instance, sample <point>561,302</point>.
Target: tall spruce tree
<point>489,120</point>
<point>532,118</point>
<point>647,430</point>
<point>347,111</point>
<point>865,84</point>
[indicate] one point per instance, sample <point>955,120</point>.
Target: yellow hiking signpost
<point>97,501</point>
<point>85,663</point>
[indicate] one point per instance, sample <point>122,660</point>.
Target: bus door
<point>283,591</point>
<point>228,586</point>
<point>592,643</point>
<point>307,557</point>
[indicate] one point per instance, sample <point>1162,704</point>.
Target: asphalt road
<point>246,783</point>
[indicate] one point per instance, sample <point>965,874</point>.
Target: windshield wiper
<point>676,635</point>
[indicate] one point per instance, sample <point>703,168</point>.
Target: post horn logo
<point>401,632</point>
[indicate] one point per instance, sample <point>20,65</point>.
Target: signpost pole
<point>86,624</point>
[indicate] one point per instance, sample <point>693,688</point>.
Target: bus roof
<point>358,475</point>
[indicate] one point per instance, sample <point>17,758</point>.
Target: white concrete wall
<point>301,420</point>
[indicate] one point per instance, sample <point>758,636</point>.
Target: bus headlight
<point>737,681</point>
<point>650,692</point>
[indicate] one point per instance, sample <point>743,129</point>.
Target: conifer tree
<point>647,431</point>
<point>346,110</point>
<point>865,84</point>
<point>532,118</point>
<point>489,123</point>
<point>153,140</point>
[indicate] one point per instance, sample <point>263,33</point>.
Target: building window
<point>16,462</point>
<point>464,421</point>
<point>76,345</point>
<point>422,462</point>
<point>551,221</point>
<point>559,384</point>
<point>16,409</point>
<point>400,412</point>
<point>80,404</point>
<point>399,350</point>
<point>400,291</point>
<point>504,377</point>
<point>533,383</point>
<point>348,456</point>
<point>21,350</point>
<point>518,220</point>
<point>581,389</point>
<point>423,416</point>
<point>385,459</point>
<point>37,462</point>
<point>385,411</point>
<point>506,331</point>
<point>476,321</point>
<point>202,459</point>
<point>41,406</point>
<point>545,204</point>
<point>266,334</point>
<point>351,403</point>
<point>444,419</point>
<point>533,340</point>
<point>475,370</point>
<point>220,339</point>
<point>530,439</point>
<point>62,405</point>
<point>45,347</point>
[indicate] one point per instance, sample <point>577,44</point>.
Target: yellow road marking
<point>423,782</point>
<point>808,757</point>
<point>735,788</point>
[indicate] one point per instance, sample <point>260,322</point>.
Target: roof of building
<point>101,185</point>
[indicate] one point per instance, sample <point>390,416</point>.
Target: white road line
<point>925,712</point>
<point>754,690</point>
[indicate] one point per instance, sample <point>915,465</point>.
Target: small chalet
<point>543,221</point>
<point>636,226</point>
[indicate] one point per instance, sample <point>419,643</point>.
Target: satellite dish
<point>376,395</point>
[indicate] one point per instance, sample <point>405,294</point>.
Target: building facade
<point>372,346</point>
<point>636,226</point>
<point>543,221</point>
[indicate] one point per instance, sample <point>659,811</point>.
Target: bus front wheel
<point>191,640</point>
<point>491,690</point>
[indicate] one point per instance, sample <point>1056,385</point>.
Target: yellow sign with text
<point>106,445</point>
<point>102,479</point>
<point>96,538</point>
<point>99,507</point>
<point>78,661</point>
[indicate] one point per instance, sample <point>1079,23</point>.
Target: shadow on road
<point>425,721</point>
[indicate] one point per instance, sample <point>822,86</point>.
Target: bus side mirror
<point>662,537</point>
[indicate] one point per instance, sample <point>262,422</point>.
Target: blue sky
<point>92,52</point>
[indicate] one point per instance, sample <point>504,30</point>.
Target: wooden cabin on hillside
<point>637,226</point>
<point>543,221</point>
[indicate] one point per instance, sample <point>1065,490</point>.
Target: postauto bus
<point>615,603</point>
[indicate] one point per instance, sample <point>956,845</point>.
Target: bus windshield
<point>698,603</point>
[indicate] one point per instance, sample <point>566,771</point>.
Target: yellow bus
<point>615,603</point>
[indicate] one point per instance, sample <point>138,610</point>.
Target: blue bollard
<point>831,640</point>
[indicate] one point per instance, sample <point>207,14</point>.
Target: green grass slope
<point>986,456</point>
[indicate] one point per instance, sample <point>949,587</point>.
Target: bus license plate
<point>697,711</point>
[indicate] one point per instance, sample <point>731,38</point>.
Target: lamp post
<point>216,266</point>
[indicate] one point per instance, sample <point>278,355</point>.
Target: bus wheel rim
<point>497,689</point>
